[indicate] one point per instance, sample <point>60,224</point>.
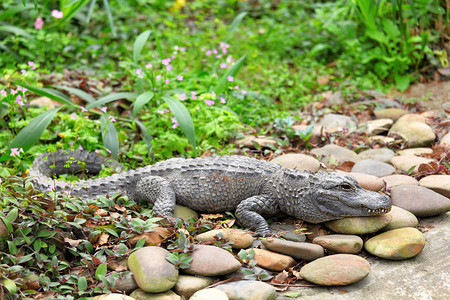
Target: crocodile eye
<point>346,187</point>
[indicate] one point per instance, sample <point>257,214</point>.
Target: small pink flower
<point>229,59</point>
<point>148,66</point>
<point>182,49</point>
<point>50,188</point>
<point>73,115</point>
<point>16,151</point>
<point>243,92</point>
<point>194,95</point>
<point>38,23</point>
<point>19,100</point>
<point>103,109</point>
<point>213,94</point>
<point>22,89</point>
<point>222,100</point>
<point>173,57</point>
<point>139,73</point>
<point>215,51</point>
<point>71,144</point>
<point>23,72</point>
<point>224,50</point>
<point>236,87</point>
<point>3,92</point>
<point>107,150</point>
<point>208,53</point>
<point>175,123</point>
<point>169,67</point>
<point>230,78</point>
<point>112,119</point>
<point>57,14</point>
<point>167,81</point>
<point>161,112</point>
<point>203,49</point>
<point>81,148</point>
<point>209,102</point>
<point>83,108</point>
<point>166,61</point>
<point>223,65</point>
<point>31,64</point>
<point>183,97</point>
<point>97,151</point>
<point>219,56</point>
<point>176,47</point>
<point>13,92</point>
<point>158,77</point>
<point>179,77</point>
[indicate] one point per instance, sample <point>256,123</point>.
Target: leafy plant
<point>249,273</point>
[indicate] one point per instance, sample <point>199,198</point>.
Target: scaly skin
<point>248,186</point>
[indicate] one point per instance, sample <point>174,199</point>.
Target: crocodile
<point>252,188</point>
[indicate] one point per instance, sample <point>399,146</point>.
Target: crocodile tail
<point>47,165</point>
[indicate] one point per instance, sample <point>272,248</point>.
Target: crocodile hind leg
<point>249,212</point>
<point>158,191</point>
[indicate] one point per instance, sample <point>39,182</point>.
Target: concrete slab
<point>427,276</point>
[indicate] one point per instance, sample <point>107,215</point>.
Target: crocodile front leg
<point>158,191</point>
<point>249,211</point>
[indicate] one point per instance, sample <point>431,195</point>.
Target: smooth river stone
<point>212,261</point>
<point>397,244</point>
<point>399,179</point>
<point>415,151</point>
<point>298,161</point>
<point>368,182</point>
<point>382,154</point>
<point>373,167</point>
<point>401,218</point>
<point>390,113</point>
<point>422,202</point>
<point>359,225</point>
<point>184,213</point>
<point>298,250</point>
<point>155,275</point>
<point>240,238</point>
<point>112,296</point>
<point>248,290</point>
<point>406,162</point>
<point>335,155</point>
<point>271,260</point>
<point>438,183</point>
<point>340,243</point>
<point>187,285</point>
<point>414,130</point>
<point>338,269</point>
<point>141,295</point>
<point>374,127</point>
<point>209,294</point>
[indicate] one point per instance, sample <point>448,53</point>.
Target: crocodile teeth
<point>380,210</point>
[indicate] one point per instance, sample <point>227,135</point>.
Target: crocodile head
<point>331,196</point>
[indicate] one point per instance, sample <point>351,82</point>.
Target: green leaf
<point>82,283</point>
<point>11,12</point>
<point>235,24</point>
<point>31,133</point>
<point>401,82</point>
<point>13,214</point>
<point>7,224</point>
<point>110,98</point>
<point>110,136</point>
<point>223,81</point>
<point>46,234</point>
<point>80,93</point>
<point>111,232</point>
<point>139,45</point>
<point>110,18</point>
<point>16,30</point>
<point>12,248</point>
<point>147,137</point>
<point>37,245</point>
<point>184,119</point>
<point>50,93</point>
<point>157,42</point>
<point>140,244</point>
<point>141,100</point>
<point>10,286</point>
<point>101,271</point>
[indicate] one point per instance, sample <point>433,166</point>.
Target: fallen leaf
<point>72,243</point>
<point>281,277</point>
<point>101,212</point>
<point>211,216</point>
